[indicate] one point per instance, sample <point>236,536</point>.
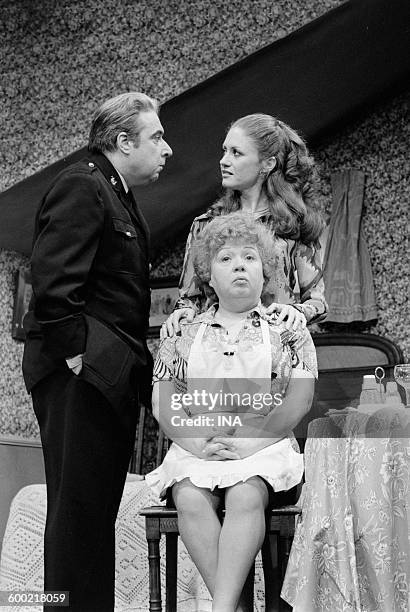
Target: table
<point>21,564</point>
<point>351,551</point>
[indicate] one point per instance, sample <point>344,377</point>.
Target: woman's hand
<point>241,447</point>
<point>293,318</point>
<point>171,326</point>
<point>218,451</point>
<point>206,448</point>
<point>195,446</point>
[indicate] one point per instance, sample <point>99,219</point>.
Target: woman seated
<point>228,390</point>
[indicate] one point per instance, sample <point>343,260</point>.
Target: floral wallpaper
<point>60,60</point>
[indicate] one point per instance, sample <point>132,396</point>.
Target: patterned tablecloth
<point>21,565</point>
<point>351,551</point>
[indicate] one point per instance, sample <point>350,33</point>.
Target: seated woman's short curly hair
<point>240,228</point>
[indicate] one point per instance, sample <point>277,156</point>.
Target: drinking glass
<point>402,377</point>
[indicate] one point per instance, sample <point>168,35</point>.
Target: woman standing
<point>267,171</point>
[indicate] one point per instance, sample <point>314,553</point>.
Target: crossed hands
<point>218,449</point>
<point>210,448</point>
<point>223,447</point>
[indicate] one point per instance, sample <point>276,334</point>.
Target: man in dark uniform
<point>85,359</point>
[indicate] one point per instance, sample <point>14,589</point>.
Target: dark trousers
<point>87,447</point>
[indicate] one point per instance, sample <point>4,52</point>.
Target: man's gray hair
<point>119,114</point>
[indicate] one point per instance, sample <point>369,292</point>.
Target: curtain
<point>347,270</point>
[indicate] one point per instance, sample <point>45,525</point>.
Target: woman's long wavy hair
<point>289,187</point>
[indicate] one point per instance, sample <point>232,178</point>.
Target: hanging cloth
<point>347,271</point>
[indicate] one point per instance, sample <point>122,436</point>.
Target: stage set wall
<point>55,73</point>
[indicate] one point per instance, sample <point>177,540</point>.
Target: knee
<point>190,501</point>
<point>247,497</point>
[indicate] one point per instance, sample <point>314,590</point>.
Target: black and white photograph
<point>204,306</point>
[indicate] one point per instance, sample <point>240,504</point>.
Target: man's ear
<point>123,144</point>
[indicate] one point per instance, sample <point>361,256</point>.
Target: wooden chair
<point>163,520</point>
<point>338,351</point>
<point>345,357</point>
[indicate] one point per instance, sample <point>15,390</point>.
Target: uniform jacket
<point>90,281</point>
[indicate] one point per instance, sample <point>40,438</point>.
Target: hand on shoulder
<point>291,316</point>
<point>173,324</point>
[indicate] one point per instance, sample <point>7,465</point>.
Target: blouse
<point>290,349</point>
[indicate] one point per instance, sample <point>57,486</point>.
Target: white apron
<point>229,367</point>
<point>234,369</point>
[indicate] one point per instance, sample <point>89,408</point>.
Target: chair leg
<point>171,544</point>
<point>271,573</point>
<point>284,546</point>
<point>153,537</point>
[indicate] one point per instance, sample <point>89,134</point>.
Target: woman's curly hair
<point>289,187</point>
<point>239,228</point>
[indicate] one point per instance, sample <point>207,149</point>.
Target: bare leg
<point>240,540</point>
<point>199,527</point>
